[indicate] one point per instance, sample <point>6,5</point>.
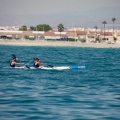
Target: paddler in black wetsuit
<point>13,61</point>
<point>37,63</point>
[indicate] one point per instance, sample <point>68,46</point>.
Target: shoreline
<point>57,43</point>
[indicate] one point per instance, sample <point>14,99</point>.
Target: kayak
<point>53,68</point>
<point>63,67</point>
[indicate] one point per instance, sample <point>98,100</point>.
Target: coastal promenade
<point>57,43</point>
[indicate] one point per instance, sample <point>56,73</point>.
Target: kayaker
<point>13,61</point>
<point>37,63</point>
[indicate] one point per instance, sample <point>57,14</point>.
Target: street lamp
<point>36,32</point>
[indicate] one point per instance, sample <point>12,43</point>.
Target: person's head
<point>37,59</point>
<point>14,59</point>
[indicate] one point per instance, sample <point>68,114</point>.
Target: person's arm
<point>19,63</point>
<point>41,62</point>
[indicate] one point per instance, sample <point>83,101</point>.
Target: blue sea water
<point>33,94</point>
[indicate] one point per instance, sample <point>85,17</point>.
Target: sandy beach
<point>57,43</point>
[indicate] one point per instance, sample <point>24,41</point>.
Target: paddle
<point>24,65</point>
<point>28,63</point>
<point>50,66</point>
<point>27,66</point>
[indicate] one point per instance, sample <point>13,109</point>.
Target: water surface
<point>91,93</point>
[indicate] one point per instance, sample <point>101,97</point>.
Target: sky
<point>71,13</point>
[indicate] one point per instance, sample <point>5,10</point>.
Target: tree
<point>104,23</point>
<point>32,28</point>
<point>60,28</point>
<point>23,28</point>
<point>43,27</point>
<point>113,19</point>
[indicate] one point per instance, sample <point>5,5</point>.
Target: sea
<point>92,93</point>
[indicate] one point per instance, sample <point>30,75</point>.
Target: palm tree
<point>113,19</point>
<point>60,28</point>
<point>104,23</point>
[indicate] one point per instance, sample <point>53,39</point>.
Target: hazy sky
<point>68,12</point>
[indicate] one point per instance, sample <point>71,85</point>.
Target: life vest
<point>36,65</point>
<point>12,65</point>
